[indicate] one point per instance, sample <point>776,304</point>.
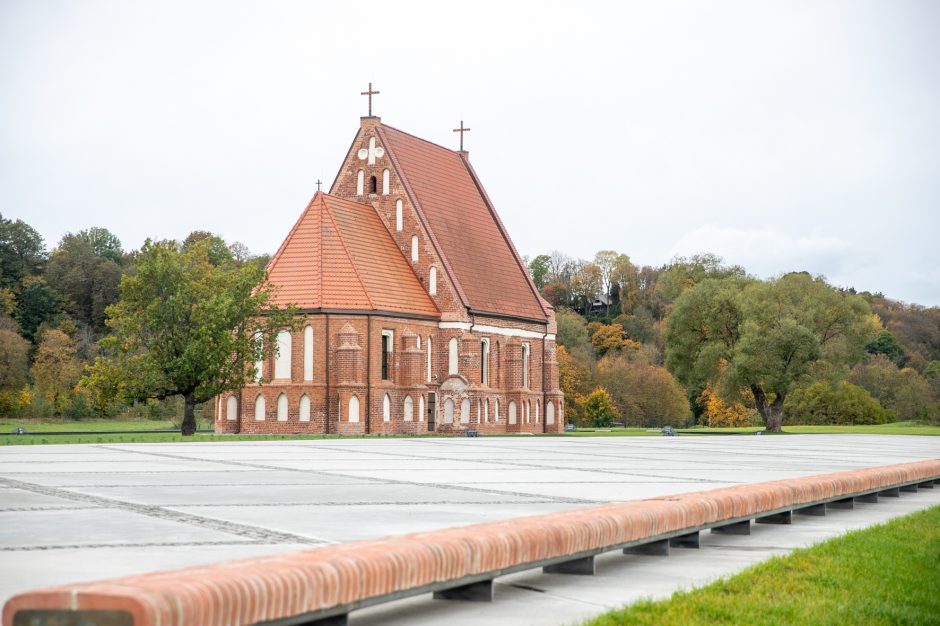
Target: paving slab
<point>83,512</point>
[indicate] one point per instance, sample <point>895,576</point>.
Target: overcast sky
<point>779,135</point>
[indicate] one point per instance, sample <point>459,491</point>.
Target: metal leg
<point>909,488</point>
<point>777,518</point>
<point>654,548</point>
<point>738,528</point>
<point>335,620</point>
<point>894,492</point>
<point>926,485</point>
<point>474,592</point>
<point>817,510</point>
<point>845,503</point>
<point>868,497</point>
<point>579,567</point>
<point>685,541</point>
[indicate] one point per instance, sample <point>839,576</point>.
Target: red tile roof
<point>339,255</point>
<point>472,242</point>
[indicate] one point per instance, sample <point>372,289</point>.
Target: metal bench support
<point>777,518</point>
<point>482,591</point>
<point>890,493</point>
<point>738,528</point>
<point>335,620</point>
<point>653,548</point>
<point>685,541</point>
<point>846,503</point>
<point>868,497</point>
<point>817,510</point>
<point>909,488</point>
<point>579,567</point>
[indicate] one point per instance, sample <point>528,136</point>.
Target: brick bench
<point>322,585</point>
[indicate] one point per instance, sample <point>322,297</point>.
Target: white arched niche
<point>304,408</point>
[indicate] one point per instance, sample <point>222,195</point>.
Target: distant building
<point>420,314</point>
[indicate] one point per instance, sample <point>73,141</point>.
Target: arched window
<point>479,411</point>
<point>452,356</point>
<point>408,408</point>
<point>388,341</point>
<point>398,215</point>
<point>429,358</point>
<point>484,361</point>
<point>496,411</point>
<point>308,353</point>
<point>304,408</point>
<point>282,361</point>
<point>414,248</point>
<point>549,413</point>
<point>259,408</point>
<point>420,408</point>
<point>465,411</point>
<point>486,410</point>
<point>231,408</point>
<point>353,409</point>
<point>432,281</point>
<point>385,182</point>
<point>373,185</point>
<point>448,411</point>
<point>259,364</point>
<point>512,412</point>
<point>537,407</point>
<point>282,408</point>
<point>386,409</point>
<point>360,182</point>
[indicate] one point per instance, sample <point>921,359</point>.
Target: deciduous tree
<point>56,367</point>
<point>599,409</point>
<point>765,337</point>
<point>186,324</point>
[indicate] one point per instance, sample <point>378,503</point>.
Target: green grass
<point>70,425</point>
<point>887,574</point>
<point>896,428</point>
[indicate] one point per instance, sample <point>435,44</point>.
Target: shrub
<point>599,409</point>
<point>838,403</point>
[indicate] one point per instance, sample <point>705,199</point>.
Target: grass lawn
<point>887,574</point>
<point>897,428</point>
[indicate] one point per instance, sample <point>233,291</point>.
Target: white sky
<point>781,135</point>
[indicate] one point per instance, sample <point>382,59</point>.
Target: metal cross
<point>461,130</point>
<point>370,93</point>
<point>319,182</point>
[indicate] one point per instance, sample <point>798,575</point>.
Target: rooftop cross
<point>370,93</point>
<point>319,182</point>
<point>461,130</point>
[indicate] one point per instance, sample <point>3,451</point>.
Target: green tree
<point>645,395</point>
<point>834,403</point>
<point>599,408</point>
<point>766,337</point>
<point>88,282</point>
<point>37,303</point>
<point>572,330</point>
<point>187,324</point>
<point>56,368</point>
<point>684,272</point>
<point>103,243</point>
<point>22,252</point>
<point>539,268</point>
<point>885,343</point>
<point>903,391</point>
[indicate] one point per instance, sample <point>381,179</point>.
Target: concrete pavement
<point>71,513</point>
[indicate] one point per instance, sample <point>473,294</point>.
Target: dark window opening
<point>386,350</point>
<point>373,185</point>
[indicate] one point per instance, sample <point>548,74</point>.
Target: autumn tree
<point>186,324</point>
<point>574,379</point>
<point>610,338</point>
<point>903,391</point>
<point>719,413</point>
<point>735,333</point>
<point>585,283</point>
<point>56,366</point>
<point>645,395</point>
<point>14,360</point>
<point>599,408</point>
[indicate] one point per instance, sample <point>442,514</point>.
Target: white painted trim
<point>495,330</point>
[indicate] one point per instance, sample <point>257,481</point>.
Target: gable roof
<point>339,255</point>
<point>473,244</point>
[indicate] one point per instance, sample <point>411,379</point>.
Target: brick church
<point>419,314</point>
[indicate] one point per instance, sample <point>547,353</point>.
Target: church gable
<point>475,246</point>
<point>339,255</point>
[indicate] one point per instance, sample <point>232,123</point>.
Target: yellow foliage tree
<point>721,414</point>
<point>574,378</point>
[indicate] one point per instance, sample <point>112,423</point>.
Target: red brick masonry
<point>308,581</point>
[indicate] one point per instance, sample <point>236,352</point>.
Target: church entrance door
<point>432,410</point>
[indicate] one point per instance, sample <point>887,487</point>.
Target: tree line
<point>89,329</point>
<point>700,341</point>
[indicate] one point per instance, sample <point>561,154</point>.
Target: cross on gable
<point>372,153</point>
<point>461,130</point>
<point>370,93</point>
<point>319,182</point>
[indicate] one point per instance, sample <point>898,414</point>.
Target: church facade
<point>418,314</point>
